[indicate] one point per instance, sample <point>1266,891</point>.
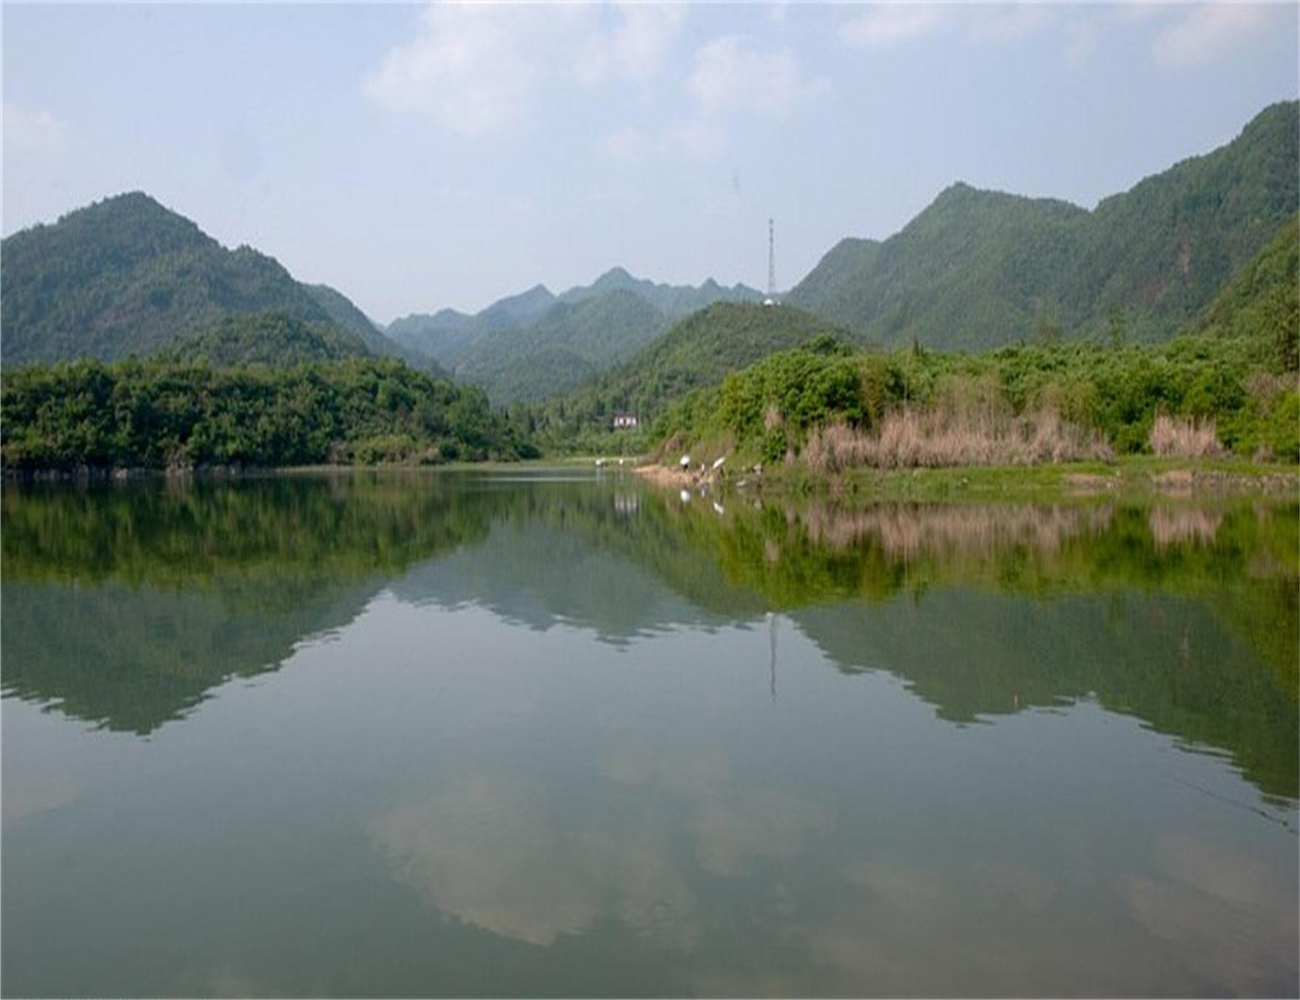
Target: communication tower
<point>771,264</point>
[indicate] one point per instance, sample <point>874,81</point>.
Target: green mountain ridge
<point>127,275</point>
<point>274,339</point>
<point>535,344</point>
<point>979,269</point>
<point>695,352</point>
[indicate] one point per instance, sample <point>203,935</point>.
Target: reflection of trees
<point>127,605</point>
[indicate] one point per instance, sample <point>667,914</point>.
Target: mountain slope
<point>674,301</point>
<point>1262,303</point>
<point>977,269</point>
<point>269,338</point>
<point>696,351</point>
<point>571,342</point>
<point>128,276</point>
<point>534,344</point>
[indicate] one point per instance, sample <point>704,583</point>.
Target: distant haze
<point>418,158</point>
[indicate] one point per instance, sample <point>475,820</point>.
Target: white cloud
<point>728,75</point>
<point>698,139</point>
<point>1082,38</point>
<point>636,48</point>
<point>1004,23</point>
<point>478,68</point>
<point>465,69</point>
<point>28,130</point>
<point>889,24</point>
<point>1205,32</point>
<point>627,144</point>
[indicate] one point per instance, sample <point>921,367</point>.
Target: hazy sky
<point>416,157</point>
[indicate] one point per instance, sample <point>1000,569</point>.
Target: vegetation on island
<point>1229,383</point>
<point>172,413</point>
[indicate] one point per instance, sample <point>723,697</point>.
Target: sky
<point>416,157</point>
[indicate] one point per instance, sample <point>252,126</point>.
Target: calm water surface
<point>473,734</point>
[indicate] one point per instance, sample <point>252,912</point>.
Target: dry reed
<point>1183,438</point>
<point>937,438</point>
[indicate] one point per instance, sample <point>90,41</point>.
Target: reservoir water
<point>531,733</point>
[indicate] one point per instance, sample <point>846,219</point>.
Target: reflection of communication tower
<point>771,263</point>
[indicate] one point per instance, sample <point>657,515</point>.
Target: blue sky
<point>422,156</point>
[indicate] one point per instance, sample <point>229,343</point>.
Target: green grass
<point>1131,477</point>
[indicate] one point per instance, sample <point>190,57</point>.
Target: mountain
<point>269,338</point>
<point>570,342</point>
<point>1262,303</point>
<point>128,276</point>
<point>447,335</point>
<point>674,301</point>
<point>535,344</point>
<point>977,269</point>
<point>696,351</point>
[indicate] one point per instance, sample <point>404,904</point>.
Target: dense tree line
<point>769,408</point>
<point>167,412</point>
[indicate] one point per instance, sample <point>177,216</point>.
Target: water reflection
<point>126,606</point>
<point>564,735</point>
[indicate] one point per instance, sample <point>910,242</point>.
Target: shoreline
<point>1136,475</point>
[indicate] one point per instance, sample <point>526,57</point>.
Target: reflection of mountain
<point>126,606</point>
<point>1164,660</point>
<point>516,573</point>
<point>134,659</point>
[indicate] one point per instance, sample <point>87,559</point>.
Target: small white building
<point>625,421</point>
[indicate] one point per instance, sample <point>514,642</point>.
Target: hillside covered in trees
<point>980,269</point>
<point>126,276</point>
<point>697,351</point>
<point>174,413</point>
<point>1231,377</point>
<point>536,344</point>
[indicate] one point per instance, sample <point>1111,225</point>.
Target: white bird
<point>686,496</point>
<point>685,463</point>
<point>718,463</point>
<point>600,463</point>
<point>717,507</point>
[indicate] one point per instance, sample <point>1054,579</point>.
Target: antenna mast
<point>771,259</point>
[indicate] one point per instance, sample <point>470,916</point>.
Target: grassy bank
<point>1131,477</point>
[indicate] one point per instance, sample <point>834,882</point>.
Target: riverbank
<point>1129,476</point>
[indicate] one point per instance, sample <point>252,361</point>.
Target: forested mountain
<point>570,342</point>
<point>535,344</point>
<point>978,269</point>
<point>697,351</point>
<point>127,276</point>
<point>447,334</point>
<point>269,338</point>
<point>1262,303</point>
<point>674,301</point>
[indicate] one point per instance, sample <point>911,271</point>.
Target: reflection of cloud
<point>1221,908</point>
<point>910,890</point>
<point>29,790</point>
<point>766,824</point>
<point>639,759</point>
<point>488,853</point>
